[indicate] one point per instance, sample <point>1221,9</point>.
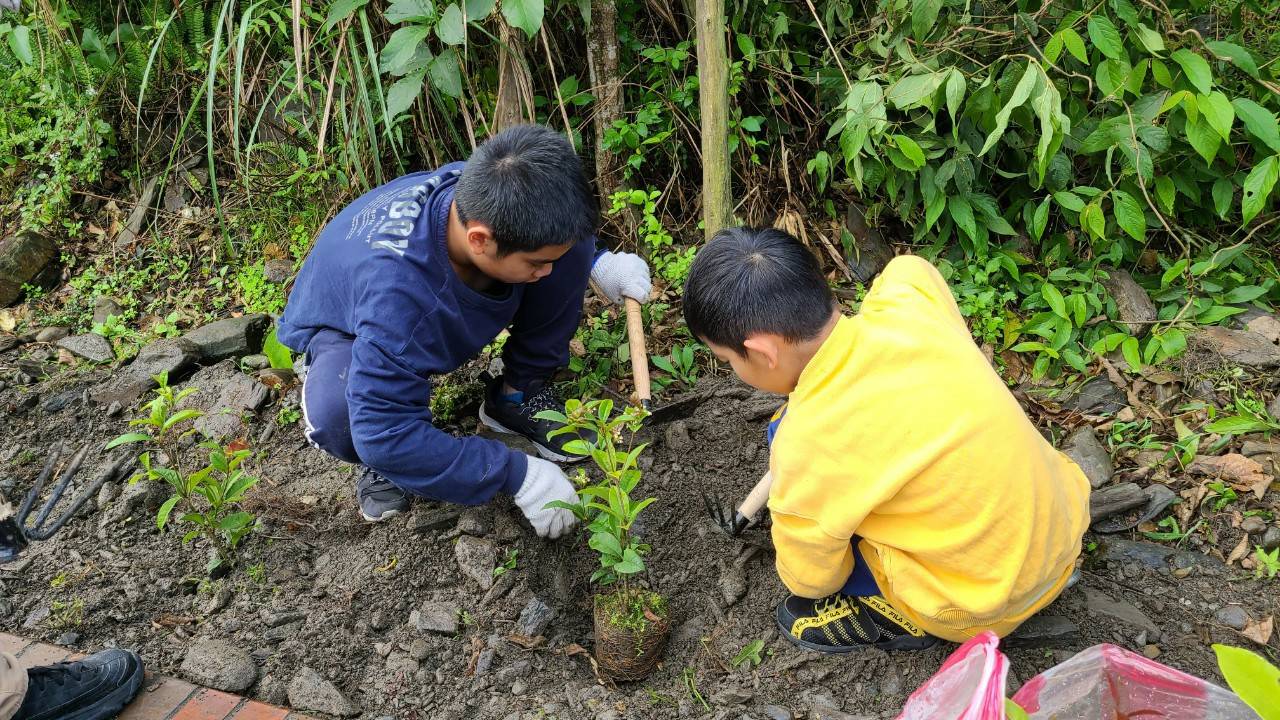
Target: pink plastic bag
<point>968,686</point>
<point>1106,681</point>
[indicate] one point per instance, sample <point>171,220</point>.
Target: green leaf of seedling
<point>339,11</point>
<point>1053,296</point>
<point>631,563</point>
<point>180,417</point>
<point>1014,711</point>
<point>1258,186</point>
<point>280,356</point>
<point>962,213</point>
<point>578,447</point>
<point>1218,112</point>
<point>1020,94</point>
<point>1235,425</point>
<point>162,515</point>
<point>402,11</point>
<point>235,521</point>
<point>606,544</point>
<point>1132,353</point>
<point>924,15</point>
<point>127,439</point>
<point>1195,68</point>
<point>1253,679</point>
<point>1222,192</point>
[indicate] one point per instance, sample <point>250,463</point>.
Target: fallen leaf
<point>1242,472</point>
<point>1259,631</point>
<point>574,649</point>
<point>527,642</point>
<point>237,445</point>
<point>7,321</point>
<point>648,614</point>
<point>1240,551</point>
<point>576,348</point>
<point>95,230</point>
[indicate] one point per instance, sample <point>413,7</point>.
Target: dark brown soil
<point>354,585</point>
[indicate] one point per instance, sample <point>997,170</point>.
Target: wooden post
<point>515,86</point>
<point>606,84</point>
<point>713,101</point>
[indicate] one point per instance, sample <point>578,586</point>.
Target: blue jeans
<point>861,582</point>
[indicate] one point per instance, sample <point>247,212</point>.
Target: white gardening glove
<point>14,5</point>
<point>544,482</point>
<point>622,274</point>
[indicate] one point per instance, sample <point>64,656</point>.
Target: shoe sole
<point>384,516</point>
<point>905,642</point>
<point>546,452</point>
<point>113,703</point>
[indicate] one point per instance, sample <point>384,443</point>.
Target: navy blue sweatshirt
<point>380,272</point>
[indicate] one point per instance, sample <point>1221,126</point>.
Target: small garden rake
<point>735,523</point>
<point>16,534</point>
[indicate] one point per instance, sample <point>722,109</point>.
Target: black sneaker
<point>841,623</point>
<point>379,498</point>
<point>95,688</point>
<point>502,415</point>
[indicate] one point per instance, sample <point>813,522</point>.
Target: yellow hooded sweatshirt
<point>900,432</point>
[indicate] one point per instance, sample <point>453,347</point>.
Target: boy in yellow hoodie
<point>912,499</point>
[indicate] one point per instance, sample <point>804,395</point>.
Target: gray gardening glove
<point>619,275</point>
<point>544,482</point>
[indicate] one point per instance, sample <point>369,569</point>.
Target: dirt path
<point>373,608</point>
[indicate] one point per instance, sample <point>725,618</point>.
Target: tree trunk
<point>515,86</point>
<point>713,101</point>
<point>602,63</point>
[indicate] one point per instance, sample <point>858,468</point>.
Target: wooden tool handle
<point>758,496</point>
<point>639,353</point>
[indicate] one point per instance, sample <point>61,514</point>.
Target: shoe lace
<point>546,398</point>
<point>831,603</point>
<point>373,482</point>
<point>59,674</point>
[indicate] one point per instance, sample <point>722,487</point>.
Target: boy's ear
<point>479,238</point>
<point>766,345</point>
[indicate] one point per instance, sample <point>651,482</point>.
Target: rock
<point>1115,500</point>
<point>22,257</point>
<point>485,661</point>
<point>425,519</point>
<point>59,402</point>
<point>1159,498</point>
<point>477,557</point>
<point>52,334</point>
<point>220,665</point>
<point>1274,406</point>
<point>220,600</point>
<point>276,618</point>
<point>1097,396</point>
<point>868,253</point>
<point>534,618</point>
<point>230,338</point>
<point>144,496</point>
<point>1255,447</point>
<point>733,583</point>
<point>169,355</point>
<point>419,649</point>
<point>104,307</point>
<point>1253,525</point>
<point>175,196</point>
<point>36,617</point>
<point>476,521</point>
<point>133,225</point>
<point>777,712</point>
<point>7,342</point>
<point>309,691</point>
<point>282,632</point>
<point>1271,538</point>
<point>437,617</point>
<point>732,696</point>
<point>277,270</point>
<point>1238,346</point>
<point>378,621</point>
<point>67,639</point>
<point>255,362</point>
<point>1099,604</point>
<point>1083,447</point>
<point>1233,616</point>
<point>239,394</point>
<point>1042,631</point>
<point>1132,302</point>
<point>107,493</point>
<point>677,436</point>
<point>273,690</point>
<point>90,346</point>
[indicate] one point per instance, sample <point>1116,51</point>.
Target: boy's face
<point>512,268</point>
<point>766,365</point>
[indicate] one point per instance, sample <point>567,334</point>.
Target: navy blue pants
<point>324,395</point>
<point>861,582</point>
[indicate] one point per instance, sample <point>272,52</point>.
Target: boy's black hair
<point>755,280</point>
<point>527,184</point>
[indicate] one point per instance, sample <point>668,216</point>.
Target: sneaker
<point>379,497</point>
<point>95,688</point>
<point>514,415</point>
<point>841,623</point>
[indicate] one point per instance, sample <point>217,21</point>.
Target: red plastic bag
<point>1107,682</point>
<point>968,686</point>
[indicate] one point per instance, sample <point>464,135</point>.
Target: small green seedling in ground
<point>749,654</point>
<point>208,497</point>
<point>1250,416</point>
<point>681,365</point>
<point>1267,563</point>
<point>288,415</point>
<point>466,617</point>
<point>65,615</point>
<point>1172,532</point>
<point>1252,679</point>
<point>656,698</point>
<point>1221,494</point>
<point>508,563</point>
<point>690,678</point>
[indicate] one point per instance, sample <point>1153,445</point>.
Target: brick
<point>207,705</point>
<point>40,654</point>
<point>259,711</point>
<point>159,701</point>
<point>12,644</point>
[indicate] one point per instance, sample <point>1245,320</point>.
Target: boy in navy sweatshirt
<point>412,280</point>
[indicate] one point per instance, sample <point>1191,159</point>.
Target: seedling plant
<point>207,498</point>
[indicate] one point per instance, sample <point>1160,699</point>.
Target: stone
<point>425,519</point>
<point>437,617</point>
<point>138,216</point>
<point>484,662</point>
<point>276,618</point>
<point>67,639</point>
<point>169,355</point>
<point>220,665</point>
<point>277,270</point>
<point>1271,538</point>
<point>477,557</point>
<point>1115,500</point>
<point>534,618</point>
<point>255,362</point>
<point>104,307</point>
<point>476,521</point>
<point>273,690</point>
<point>107,494</point>
<point>1133,304</point>
<point>36,617</point>
<point>309,691</point>
<point>1233,616</point>
<point>238,395</point>
<point>732,696</point>
<point>1083,447</point>
<point>1238,346</point>
<point>1251,448</point>
<point>230,338</point>
<point>777,712</point>
<point>7,342</point>
<point>677,436</point>
<point>282,632</point>
<point>1098,603</point>
<point>1042,631</point>
<point>90,346</point>
<point>60,402</point>
<point>1274,406</point>
<point>419,649</point>
<point>52,334</point>
<point>733,583</point>
<point>1253,525</point>
<point>144,496</point>
<point>22,257</point>
<point>1097,396</point>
